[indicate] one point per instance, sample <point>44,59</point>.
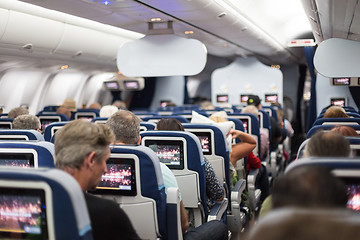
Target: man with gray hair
<point>126,127</point>
<point>82,149</point>
<point>17,112</point>
<point>26,122</point>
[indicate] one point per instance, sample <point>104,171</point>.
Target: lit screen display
<point>113,85</point>
<point>169,152</point>
<point>120,178</point>
<point>353,191</point>
<point>271,98</point>
<point>245,124</point>
<point>22,214</point>
<point>131,85</point>
<point>222,98</point>
<point>341,81</point>
<point>25,160</point>
<point>244,98</point>
<point>205,140</point>
<point>338,102</point>
<point>46,122</point>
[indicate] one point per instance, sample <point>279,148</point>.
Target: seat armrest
<point>252,175</point>
<point>218,210</point>
<point>237,191</point>
<point>173,214</point>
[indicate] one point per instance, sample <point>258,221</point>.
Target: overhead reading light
<point>106,2</point>
<point>64,67</point>
<point>189,32</point>
<point>155,20</point>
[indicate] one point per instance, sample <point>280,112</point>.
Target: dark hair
<point>309,186</point>
<point>169,124</point>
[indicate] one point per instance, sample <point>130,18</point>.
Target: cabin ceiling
<point>333,19</point>
<point>228,28</point>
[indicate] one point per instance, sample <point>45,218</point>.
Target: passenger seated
<point>17,112</point>
<point>64,110</point>
<point>95,105</point>
<point>309,187</point>
<point>107,110</point>
<point>321,144</point>
<point>82,149</point>
<point>264,135</point>
<point>253,162</point>
<point>327,144</point>
<point>345,131</point>
<point>120,104</point>
<point>335,112</point>
<point>301,224</point>
<point>126,127</point>
<point>276,136</point>
<point>27,122</point>
<point>70,104</point>
<point>214,189</point>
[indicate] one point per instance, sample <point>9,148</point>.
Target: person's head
<point>70,104</point>
<point>327,144</point>
<point>309,187</point>
<point>64,110</point>
<point>169,124</point>
<point>81,149</point>
<point>250,109</point>
<point>17,112</point>
<point>26,122</point>
<point>119,104</point>
<point>335,112</point>
<point>126,127</point>
<point>300,224</point>
<point>108,110</point>
<point>207,105</point>
<point>254,100</point>
<point>95,105</point>
<point>345,131</point>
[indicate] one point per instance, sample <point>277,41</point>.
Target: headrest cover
<point>225,127</point>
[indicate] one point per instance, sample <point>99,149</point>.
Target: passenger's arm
<point>242,149</point>
<point>184,217</point>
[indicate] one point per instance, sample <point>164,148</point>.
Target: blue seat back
<point>338,121</point>
<point>45,151</point>
<point>85,113</point>
<point>328,127</point>
<point>157,118</point>
<point>193,155</point>
<point>271,110</point>
<point>147,126</point>
<point>351,114</point>
<point>20,134</point>
<point>66,211</point>
<point>52,128</point>
<point>219,145</point>
<point>253,127</point>
<point>151,180</point>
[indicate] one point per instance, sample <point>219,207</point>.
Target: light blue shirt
<point>168,177</point>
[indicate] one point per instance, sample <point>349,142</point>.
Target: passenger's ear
<point>91,159</point>
<point>139,141</point>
